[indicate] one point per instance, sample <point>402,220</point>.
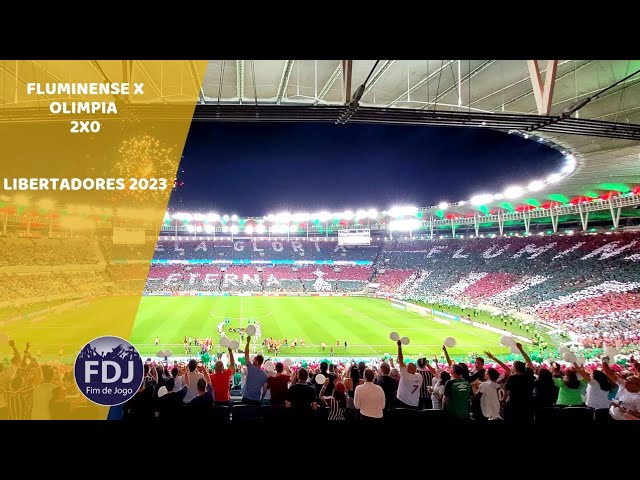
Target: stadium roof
<point>417,91</point>
<point>601,128</point>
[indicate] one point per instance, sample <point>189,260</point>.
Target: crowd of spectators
<point>47,252</point>
<point>383,389</point>
<point>563,280</point>
<point>280,249</point>
<point>31,390</point>
<point>234,278</point>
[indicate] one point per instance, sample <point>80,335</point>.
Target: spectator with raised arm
<point>570,388</point>
<point>519,405</point>
<point>598,388</point>
<point>257,378</point>
<point>489,393</point>
<point>221,380</point>
<point>408,395</point>
<point>446,356</point>
<point>457,395</point>
<point>202,405</point>
<point>191,378</point>
<point>626,406</point>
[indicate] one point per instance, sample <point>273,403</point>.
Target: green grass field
<point>365,323</point>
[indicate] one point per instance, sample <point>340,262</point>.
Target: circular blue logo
<point>109,370</point>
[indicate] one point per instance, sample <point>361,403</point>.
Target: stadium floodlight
<point>248,229</point>
<point>300,217</point>
<point>293,228</point>
<point>213,217</point>
<point>284,217</point>
<point>167,216</point>
<point>513,192</point>
<point>209,228</point>
<point>570,166</point>
<point>403,210</point>
<point>225,228</point>
<point>234,229</point>
<point>234,218</point>
<point>21,199</point>
<point>443,205</point>
<point>347,214</point>
<point>535,186</point>
<point>284,228</point>
<point>404,225</point>
<point>260,228</point>
<point>481,199</point>
<point>46,204</point>
<point>498,196</point>
<point>191,228</point>
<point>554,178</point>
<point>199,216</point>
<point>372,213</point>
<point>322,216</point>
<point>462,202</point>
<point>361,214</point>
<point>225,218</point>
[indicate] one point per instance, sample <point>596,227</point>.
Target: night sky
<point>253,169</point>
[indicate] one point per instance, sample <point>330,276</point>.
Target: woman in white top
<point>598,388</point>
<point>437,392</point>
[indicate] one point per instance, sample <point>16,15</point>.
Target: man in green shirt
<point>457,393</point>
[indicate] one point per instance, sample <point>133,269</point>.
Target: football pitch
<point>364,323</point>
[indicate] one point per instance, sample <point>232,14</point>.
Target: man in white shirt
<point>408,395</point>
<point>369,398</point>
<point>192,386</point>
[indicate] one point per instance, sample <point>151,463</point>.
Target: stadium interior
<point>558,254</point>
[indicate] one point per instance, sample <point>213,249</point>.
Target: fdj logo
<point>109,370</point>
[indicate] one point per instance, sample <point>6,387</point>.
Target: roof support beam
<point>514,84</point>
<point>467,77</point>
<point>421,82</point>
<point>240,80</point>
<point>347,75</point>
<point>378,75</point>
<point>284,80</point>
<point>127,73</point>
<point>543,93</point>
<point>105,78</point>
<point>327,86</point>
<point>197,81</point>
<point>150,80</point>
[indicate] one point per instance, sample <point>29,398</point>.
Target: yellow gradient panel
<point>73,263</point>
